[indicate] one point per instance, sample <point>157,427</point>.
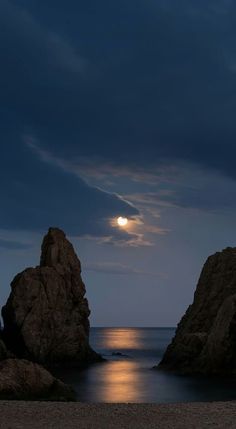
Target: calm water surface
<point>129,377</point>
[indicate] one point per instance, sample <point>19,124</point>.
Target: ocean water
<point>128,374</point>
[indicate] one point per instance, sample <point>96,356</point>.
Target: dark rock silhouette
<point>4,353</point>
<point>21,379</point>
<point>205,339</point>
<point>119,354</point>
<point>46,315</point>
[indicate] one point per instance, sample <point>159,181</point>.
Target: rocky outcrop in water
<point>46,315</point>
<point>205,340</point>
<point>21,379</point>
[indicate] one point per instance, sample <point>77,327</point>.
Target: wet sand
<point>42,415</point>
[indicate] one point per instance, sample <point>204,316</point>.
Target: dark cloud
<point>130,87</point>
<point>36,194</point>
<point>133,83</point>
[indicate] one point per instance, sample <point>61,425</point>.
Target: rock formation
<point>4,353</point>
<point>46,315</point>
<point>21,379</point>
<point>205,339</point>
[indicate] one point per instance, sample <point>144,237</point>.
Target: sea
<point>128,374</point>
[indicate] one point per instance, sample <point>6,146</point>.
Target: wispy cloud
<point>135,235</point>
<point>47,157</point>
<point>129,240</point>
<point>132,236</point>
<point>13,245</point>
<point>103,170</point>
<point>16,240</point>
<point>161,198</point>
<point>116,268</point>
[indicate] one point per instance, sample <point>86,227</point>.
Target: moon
<point>122,221</point>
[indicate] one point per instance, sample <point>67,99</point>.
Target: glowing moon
<point>122,221</point>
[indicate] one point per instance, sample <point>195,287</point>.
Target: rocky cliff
<point>46,315</point>
<point>205,339</point>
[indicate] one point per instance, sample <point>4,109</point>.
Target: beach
<point>75,415</point>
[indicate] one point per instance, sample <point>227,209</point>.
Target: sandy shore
<point>42,415</point>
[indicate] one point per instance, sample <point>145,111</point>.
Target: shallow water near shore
<point>128,374</point>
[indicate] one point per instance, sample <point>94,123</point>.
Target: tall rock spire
<point>46,315</point>
<point>57,250</point>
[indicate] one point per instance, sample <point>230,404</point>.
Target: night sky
<point>114,109</point>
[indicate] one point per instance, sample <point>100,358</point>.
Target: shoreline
<point>72,415</point>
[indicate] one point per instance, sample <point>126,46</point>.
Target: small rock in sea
<point>119,354</point>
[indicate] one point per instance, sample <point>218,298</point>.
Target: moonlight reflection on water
<point>128,374</point>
